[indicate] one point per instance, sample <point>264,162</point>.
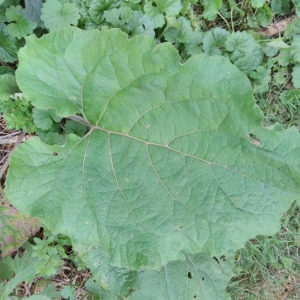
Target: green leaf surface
<point>74,127</point>
<point>297,7</point>
<point>262,78</point>
<point>280,6</point>
<point>234,8</point>
<point>270,51</point>
<point>139,24</point>
<point>214,41</point>
<point>246,64</point>
<point>8,86</point>
<point>295,49</point>
<point>96,8</point>
<point>43,118</point>
<point>21,26</point>
<point>211,8</point>
<point>8,45</point>
<point>52,138</point>
<point>156,9</point>
<point>290,97</point>
<point>197,276</point>
<point>33,11</point>
<point>118,16</point>
<point>24,269</point>
<point>169,165</point>
<point>264,16</point>
<point>278,43</point>
<point>59,15</point>
<point>257,3</point>
<point>183,34</point>
<point>285,57</point>
<point>15,228</point>
<point>2,14</point>
<point>194,46</point>
<point>6,271</point>
<point>6,70</point>
<point>296,76</point>
<point>240,44</point>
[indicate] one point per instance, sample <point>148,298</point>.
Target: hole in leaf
<point>202,278</point>
<point>195,296</point>
<point>154,4</point>
<point>216,260</point>
<point>129,292</point>
<point>189,275</point>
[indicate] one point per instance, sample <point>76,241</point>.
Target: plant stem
<point>81,120</point>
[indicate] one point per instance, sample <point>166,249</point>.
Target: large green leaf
<point>198,276</point>
<point>176,160</point>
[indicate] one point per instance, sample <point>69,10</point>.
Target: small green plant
<point>17,112</point>
<point>42,259</point>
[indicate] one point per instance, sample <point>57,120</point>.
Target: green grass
<point>268,268</point>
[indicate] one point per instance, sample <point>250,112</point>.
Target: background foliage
<point>237,30</point>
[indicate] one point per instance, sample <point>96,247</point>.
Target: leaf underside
<point>176,161</point>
